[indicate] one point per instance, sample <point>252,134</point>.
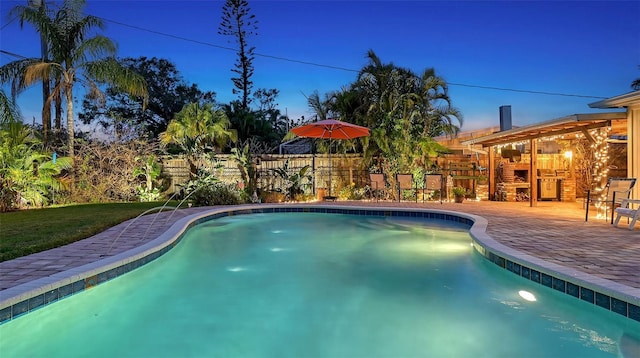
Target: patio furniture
<point>626,210</point>
<point>611,195</point>
<point>433,182</point>
<point>405,182</point>
<point>376,185</point>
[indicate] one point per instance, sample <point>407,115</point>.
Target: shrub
<point>8,196</point>
<point>216,194</point>
<point>271,196</point>
<point>459,191</point>
<point>351,192</point>
<point>107,171</point>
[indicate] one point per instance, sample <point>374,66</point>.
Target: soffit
<point>564,125</point>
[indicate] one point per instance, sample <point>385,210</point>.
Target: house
<point>630,101</point>
<point>552,160</point>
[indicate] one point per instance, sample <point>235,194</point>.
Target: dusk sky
<point>585,50</point>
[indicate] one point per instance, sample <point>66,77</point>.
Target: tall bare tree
<point>239,23</point>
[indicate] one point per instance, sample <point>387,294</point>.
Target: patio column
<point>533,173</point>
<point>491,172</point>
<point>633,147</point>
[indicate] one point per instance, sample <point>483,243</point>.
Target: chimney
<point>505,118</point>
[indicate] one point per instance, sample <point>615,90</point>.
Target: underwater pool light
<point>527,295</point>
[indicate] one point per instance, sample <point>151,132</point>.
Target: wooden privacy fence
<point>345,170</point>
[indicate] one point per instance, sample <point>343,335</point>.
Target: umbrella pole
<point>330,167</point>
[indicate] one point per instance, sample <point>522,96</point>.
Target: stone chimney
<point>505,118</point>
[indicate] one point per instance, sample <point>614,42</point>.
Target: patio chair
<point>611,195</point>
<point>433,182</point>
<point>405,182</point>
<point>626,210</point>
<point>377,185</point>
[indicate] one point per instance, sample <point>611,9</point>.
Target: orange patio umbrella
<point>330,129</point>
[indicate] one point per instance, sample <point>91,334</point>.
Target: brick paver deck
<point>552,231</point>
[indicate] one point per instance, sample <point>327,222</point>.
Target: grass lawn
<point>29,231</point>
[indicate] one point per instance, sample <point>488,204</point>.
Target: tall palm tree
<point>197,129</point>
<point>436,115</point>
<point>74,57</point>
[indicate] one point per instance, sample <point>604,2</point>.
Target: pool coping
<point>22,299</point>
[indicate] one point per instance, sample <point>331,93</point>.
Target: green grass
<point>29,231</point>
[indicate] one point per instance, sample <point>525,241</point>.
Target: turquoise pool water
<point>320,285</point>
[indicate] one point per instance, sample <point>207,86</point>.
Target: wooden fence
<point>345,169</point>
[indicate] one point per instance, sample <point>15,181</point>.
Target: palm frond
<point>9,111</point>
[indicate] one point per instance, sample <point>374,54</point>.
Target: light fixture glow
<point>528,296</point>
<point>568,154</point>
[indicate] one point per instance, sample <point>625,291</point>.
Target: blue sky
<point>589,48</point>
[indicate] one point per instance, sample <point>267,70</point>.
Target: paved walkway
<point>555,232</point>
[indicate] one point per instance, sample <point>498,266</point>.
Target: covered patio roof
<point>568,124</point>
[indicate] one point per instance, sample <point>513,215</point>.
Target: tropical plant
<point>198,129</point>
<point>28,176</point>
<point>352,192</point>
<point>9,112</point>
<point>294,182</point>
<point>205,189</point>
<point>458,191</point>
<point>150,170</point>
<point>74,57</point>
<point>244,160</point>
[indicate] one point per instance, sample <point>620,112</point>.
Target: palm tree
<point>436,115</point>
<point>635,85</point>
<point>197,129</point>
<point>74,57</point>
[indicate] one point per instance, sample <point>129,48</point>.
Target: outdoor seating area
<point>629,211</point>
<point>613,194</point>
<point>407,188</point>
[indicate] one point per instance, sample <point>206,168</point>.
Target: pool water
<point>320,285</point>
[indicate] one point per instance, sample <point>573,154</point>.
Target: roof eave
<point>529,131</point>
<point>624,100</point>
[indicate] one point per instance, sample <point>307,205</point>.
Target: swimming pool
<point>312,284</point>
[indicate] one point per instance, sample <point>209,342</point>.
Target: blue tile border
<point>522,269</point>
<point>599,299</point>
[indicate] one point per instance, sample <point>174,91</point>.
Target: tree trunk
<point>46,111</point>
<point>70,131</point>
<point>58,101</point>
<point>71,134</point>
